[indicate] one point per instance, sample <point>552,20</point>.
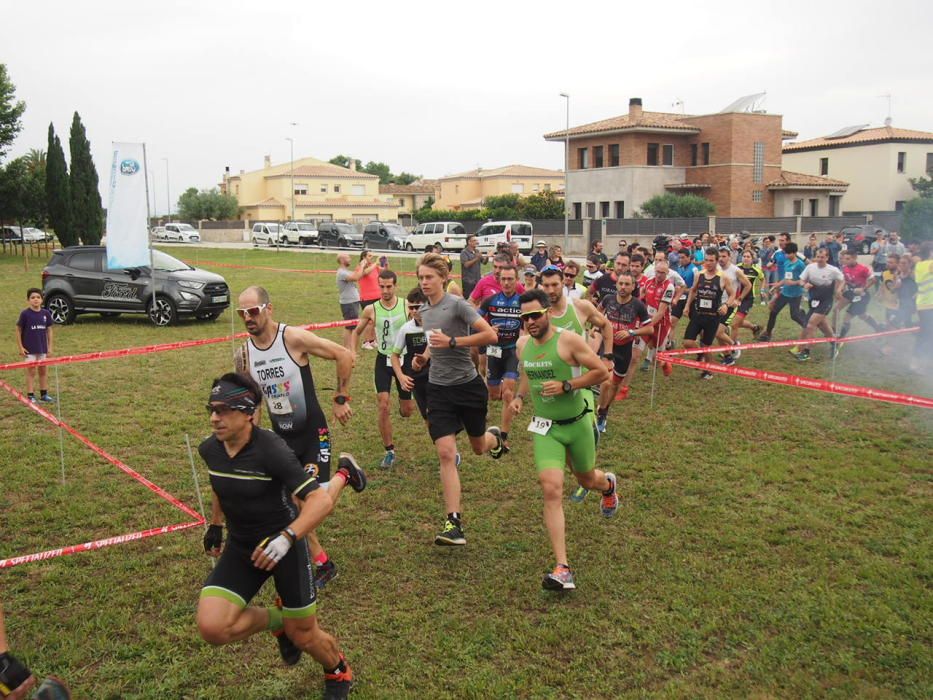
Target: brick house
<point>733,158</point>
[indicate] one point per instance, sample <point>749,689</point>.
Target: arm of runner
<point>596,319</point>
<point>693,291</point>
<point>303,341</point>
<point>420,360</point>
<point>213,538</point>
<point>745,287</point>
<point>582,355</point>
<point>730,294</point>
<point>315,507</point>
<point>484,335</point>
<point>241,366</point>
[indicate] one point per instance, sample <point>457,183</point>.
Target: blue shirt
<point>686,272</point>
<point>779,258</point>
<point>792,271</point>
<point>502,312</point>
<point>698,255</point>
<point>834,249</point>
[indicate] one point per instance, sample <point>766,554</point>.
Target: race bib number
<point>814,303</point>
<point>493,351</point>
<point>856,299</point>
<point>706,303</point>
<point>539,425</point>
<point>280,405</point>
<point>788,275</point>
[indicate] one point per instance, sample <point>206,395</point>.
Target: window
<point>758,162</point>
<point>614,156</point>
<point>652,154</point>
<point>929,169</point>
<point>236,188</point>
<point>84,261</point>
<point>591,210</point>
<point>583,158</point>
<point>694,153</point>
<point>901,161</point>
<point>604,210</point>
<point>798,207</point>
<point>323,189</point>
<point>667,152</point>
<point>336,189</point>
<point>834,205</point>
<point>756,196</point>
<point>547,186</point>
<point>705,153</point>
<point>456,189</point>
<point>899,206</point>
<point>301,189</point>
<point>359,189</point>
<point>620,210</point>
<point>518,188</point>
<point>401,202</point>
<point>577,210</point>
<point>814,207</point>
<point>597,156</point>
<point>535,187</point>
<point>824,166</point>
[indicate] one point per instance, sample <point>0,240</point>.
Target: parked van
<point>450,235</point>
<point>495,232</point>
<point>266,233</point>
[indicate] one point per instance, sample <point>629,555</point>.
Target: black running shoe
<point>764,337</point>
<point>52,688</point>
<point>337,686</point>
<point>500,448</point>
<point>323,573</point>
<point>287,650</point>
<point>451,535</point>
<point>357,475</point>
<point>13,673</point>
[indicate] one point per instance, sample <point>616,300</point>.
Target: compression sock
<point>505,435</point>
<point>845,329</point>
<point>390,448</point>
<point>321,558</point>
<point>339,668</point>
<point>772,319</point>
<point>275,619</point>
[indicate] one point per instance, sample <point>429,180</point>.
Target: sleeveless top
<point>542,363</point>
<point>287,386</point>
<point>570,320</point>
<point>388,323</point>
<point>708,295</point>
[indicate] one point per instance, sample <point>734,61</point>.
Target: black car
<point>859,238</point>
<point>384,236</point>
<point>77,281</point>
<point>339,235</point>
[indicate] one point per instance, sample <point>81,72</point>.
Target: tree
<point>542,205</point>
<point>58,191</point>
<point>13,195</point>
<point>10,111</point>
<point>923,186</point>
<point>86,210</point>
<point>380,169</point>
<point>36,207</point>
<point>676,206</point>
<point>404,178</point>
<point>917,224</point>
<point>207,204</point>
<point>341,160</point>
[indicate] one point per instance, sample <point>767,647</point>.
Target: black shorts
<point>383,376</point>
<point>856,308</point>
<point>677,311</point>
<point>457,407</point>
<point>312,447</point>
<point>746,305</point>
<point>350,311</point>
<point>821,300</point>
<point>237,580</point>
<point>499,368</point>
<point>420,392</point>
<point>621,358</point>
<point>706,324</point>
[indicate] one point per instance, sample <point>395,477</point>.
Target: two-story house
<point>468,190</point>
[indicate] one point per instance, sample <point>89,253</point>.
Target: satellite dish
<point>847,131</point>
<point>749,103</point>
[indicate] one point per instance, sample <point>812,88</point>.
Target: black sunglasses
<point>532,315</point>
<point>219,409</point>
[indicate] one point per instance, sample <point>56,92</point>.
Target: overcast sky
<point>434,88</point>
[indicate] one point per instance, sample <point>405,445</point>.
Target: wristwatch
<point>341,399</point>
<point>603,354</point>
<point>453,342</point>
<point>567,387</point>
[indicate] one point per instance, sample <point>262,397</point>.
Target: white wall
<point>631,184</point>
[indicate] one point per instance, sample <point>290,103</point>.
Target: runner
<point>687,271</point>
<point>742,288</point>
<point>551,364</point>
<point>253,473</point>
<point>790,289</point>
<point>277,357</point>
<point>855,298</point>
<point>923,278</point>
<point>457,397</point>
<point>755,275</point>
<point>824,283</point>
<point>658,294</point>
<point>708,302</point>
<point>387,315</point>
<point>887,289</point>
<point>410,341</point>
<point>605,285</point>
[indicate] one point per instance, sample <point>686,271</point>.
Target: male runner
<point>743,288</point>
<point>824,283</point>
<point>551,364</point>
<point>855,298</point>
<point>457,397</point>
<point>277,357</point>
<point>253,475</point>
<point>923,278</point>
<point>387,315</point>
<point>755,275</point>
<point>659,294</point>
<point>887,288</point>
<point>410,341</point>
<point>687,271</point>
<point>708,302</point>
<point>791,290</point>
<point>501,312</point>
<point>605,286</point>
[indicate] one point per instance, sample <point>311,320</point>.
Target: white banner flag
<point>127,211</point>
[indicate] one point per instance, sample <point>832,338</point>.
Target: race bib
<point>280,405</point>
<point>788,275</point>
<point>539,425</point>
<point>856,299</point>
<point>706,303</point>
<point>493,351</point>
<point>388,361</point>
<point>814,303</point>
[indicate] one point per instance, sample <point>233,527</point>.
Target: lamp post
<point>567,177</point>
<point>168,196</point>
<point>291,148</point>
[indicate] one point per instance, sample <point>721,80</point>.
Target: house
<point>877,162</point>
<point>319,191</point>
<point>411,197</point>
<point>468,190</point>
<point>732,157</point>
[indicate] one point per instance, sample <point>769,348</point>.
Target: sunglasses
<point>251,311</point>
<point>532,315</point>
<point>570,275</point>
<point>219,409</point>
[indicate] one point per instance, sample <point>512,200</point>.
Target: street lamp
<point>291,148</point>
<point>567,176</point>
<point>168,196</point>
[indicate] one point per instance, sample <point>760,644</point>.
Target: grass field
<point>772,542</point>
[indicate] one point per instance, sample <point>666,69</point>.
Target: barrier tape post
<point>61,432</point>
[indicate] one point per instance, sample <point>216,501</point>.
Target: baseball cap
<point>540,244</point>
<point>531,270</point>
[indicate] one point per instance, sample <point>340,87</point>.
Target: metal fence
<point>810,224</point>
<point>727,225</point>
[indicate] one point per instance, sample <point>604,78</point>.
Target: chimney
<point>634,109</point>
<point>227,169</point>
<point>267,161</point>
<point>353,164</point>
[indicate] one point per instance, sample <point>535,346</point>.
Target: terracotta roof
<point>792,180</point>
<point>506,171</point>
<point>406,189</point>
<point>324,170</point>
<point>687,186</point>
<point>360,203</point>
<point>647,120</point>
<point>788,134</point>
<point>880,134</point>
<point>268,202</point>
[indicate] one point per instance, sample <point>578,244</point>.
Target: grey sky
<point>436,87</point>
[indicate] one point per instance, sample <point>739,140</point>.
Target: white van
<point>266,233</point>
<point>449,234</point>
<point>495,232</point>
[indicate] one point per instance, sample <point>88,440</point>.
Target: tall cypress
<point>85,197</point>
<point>58,191</point>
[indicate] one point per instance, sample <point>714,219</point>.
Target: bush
<point>918,219</point>
<point>678,206</point>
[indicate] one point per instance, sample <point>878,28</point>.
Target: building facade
<point>411,198</point>
<point>878,163</point>
<point>319,191</point>
<point>733,158</point>
<point>468,190</point>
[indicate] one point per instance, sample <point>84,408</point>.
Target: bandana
<point>233,395</point>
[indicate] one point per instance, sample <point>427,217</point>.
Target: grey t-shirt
<point>454,316</point>
<point>348,290</point>
<point>821,276</point>
<point>472,274</point>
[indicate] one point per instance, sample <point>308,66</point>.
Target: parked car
<point>449,235</point>
<point>385,235</point>
<point>183,233</point>
<point>157,233</point>
<point>300,233</point>
<point>77,281</point>
<point>11,234</point>
<point>859,238</point>
<point>340,235</point>
<point>35,235</point>
<point>266,233</point>
<point>495,232</point>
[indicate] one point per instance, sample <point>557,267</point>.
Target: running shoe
<point>457,460</point>
<point>736,353</point>
<point>324,573</point>
<point>609,503</point>
<point>728,359</point>
<point>52,688</point>
<point>389,460</point>
<point>706,375</point>
<point>601,422</point>
<point>13,673</point>
<point>45,398</point>
<point>622,393</point>
<point>579,495</point>
<point>561,579</point>
<point>287,650</point>
<point>795,350</point>
<point>645,365</point>
<point>803,356</point>
<point>667,368</point>
<point>764,337</point>
<point>357,477</point>
<point>756,331</point>
<point>337,685</point>
<point>33,399</point>
<point>451,535</point>
<point>369,345</point>
<point>500,448</point>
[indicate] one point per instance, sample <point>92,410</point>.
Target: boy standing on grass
<point>34,338</point>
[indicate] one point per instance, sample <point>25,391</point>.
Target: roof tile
<point>880,134</point>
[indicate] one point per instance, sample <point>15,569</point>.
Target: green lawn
<point>772,542</point>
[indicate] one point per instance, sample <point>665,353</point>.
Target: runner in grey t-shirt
<point>454,316</point>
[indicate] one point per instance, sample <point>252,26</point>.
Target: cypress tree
<point>86,208</point>
<point>58,191</point>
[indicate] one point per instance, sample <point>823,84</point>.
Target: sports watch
<point>341,399</point>
<point>453,342</point>
<point>567,387</point>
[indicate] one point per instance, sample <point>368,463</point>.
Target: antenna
<point>887,119</point>
<point>678,102</point>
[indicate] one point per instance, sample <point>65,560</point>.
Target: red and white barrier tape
<point>284,269</point>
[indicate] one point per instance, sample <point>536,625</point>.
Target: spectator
<point>34,338</point>
<point>673,255</point>
<point>894,246</point>
<point>834,248</point>
<point>593,270</point>
<point>471,265</point>
<point>516,254</point>
<point>809,250</point>
<point>572,288</point>
<point>540,258</point>
<point>555,257</point>
<point>597,251</point>
<point>439,250</point>
<point>369,291</point>
<point>531,277</point>
<point>879,262</point>
<point>348,294</point>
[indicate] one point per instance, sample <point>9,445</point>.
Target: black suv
<point>859,238</point>
<point>340,235</point>
<point>77,281</point>
<point>384,235</point>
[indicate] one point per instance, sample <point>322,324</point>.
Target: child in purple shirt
<point>34,338</point>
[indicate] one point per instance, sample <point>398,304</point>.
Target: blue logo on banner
<point>129,167</point>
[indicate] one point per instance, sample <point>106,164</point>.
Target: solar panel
<point>847,131</point>
<point>748,103</point>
